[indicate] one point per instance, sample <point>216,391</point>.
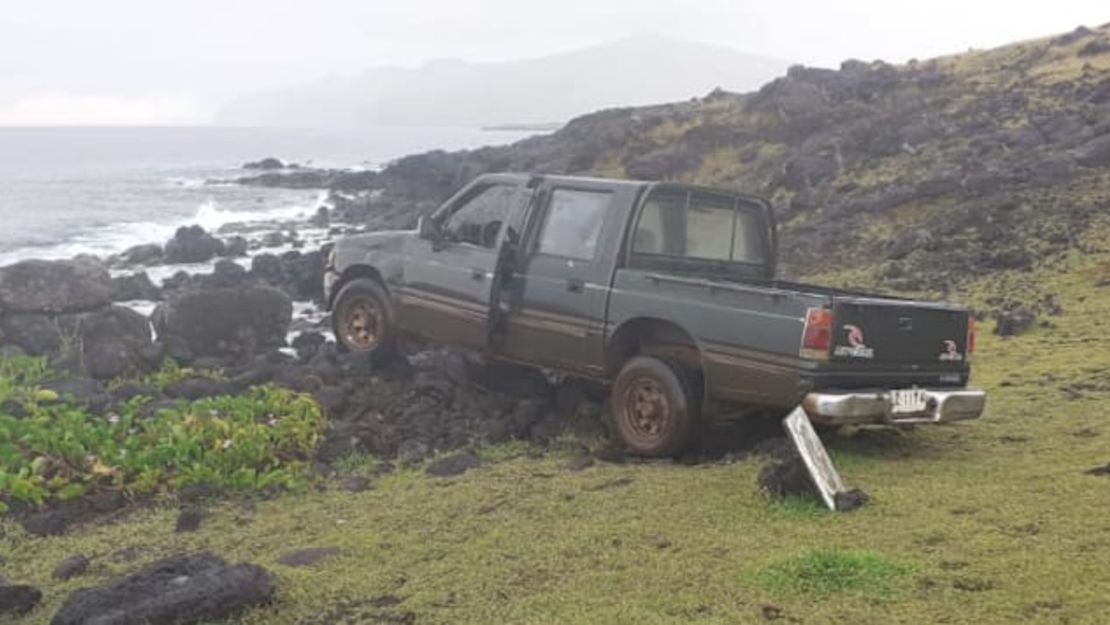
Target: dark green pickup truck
<point>665,291</point>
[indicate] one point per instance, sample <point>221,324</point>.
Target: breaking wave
<point>113,238</point>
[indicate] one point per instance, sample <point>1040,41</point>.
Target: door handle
<point>575,286</point>
<point>477,275</point>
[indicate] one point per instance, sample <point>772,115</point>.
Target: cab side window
<point>479,217</point>
<point>572,225</point>
<point>697,227</point>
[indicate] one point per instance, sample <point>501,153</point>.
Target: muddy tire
<point>654,406</point>
<point>362,318</point>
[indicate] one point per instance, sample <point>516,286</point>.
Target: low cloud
<point>67,109</point>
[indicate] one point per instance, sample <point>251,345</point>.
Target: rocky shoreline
<point>231,311</point>
<point>239,315</point>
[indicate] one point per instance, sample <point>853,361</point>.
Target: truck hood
<point>358,248</point>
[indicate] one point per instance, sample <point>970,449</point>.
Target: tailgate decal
<point>856,347</point>
<point>951,352</point>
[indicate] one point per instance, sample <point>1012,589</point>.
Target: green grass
<point>820,573</point>
<point>985,522</point>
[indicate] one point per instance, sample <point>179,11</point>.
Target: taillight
<point>817,335</point>
<point>970,347</point>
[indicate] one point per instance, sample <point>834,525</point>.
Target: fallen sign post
<point>821,470</point>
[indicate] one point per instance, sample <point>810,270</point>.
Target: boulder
<point>189,520</point>
<point>226,321</point>
<point>182,589</point>
<point>787,478</point>
<point>275,239</point>
<point>225,273</point>
<point>266,267</point>
<point>136,286</point>
<point>191,244</point>
<point>267,163</point>
<point>71,567</point>
<point>307,343</point>
<point>148,254</point>
<point>1094,153</point>
<point>321,219</point>
<point>60,286</point>
<point>1013,322</point>
<point>36,334</point>
<point>116,341</point>
<point>80,391</point>
<point>301,275</point>
<point>235,247</point>
<point>18,598</point>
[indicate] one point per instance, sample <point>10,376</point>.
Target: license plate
<point>909,401</point>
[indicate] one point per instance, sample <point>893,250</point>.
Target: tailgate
<point>898,332</point>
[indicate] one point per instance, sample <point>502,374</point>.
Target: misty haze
<point>636,71</point>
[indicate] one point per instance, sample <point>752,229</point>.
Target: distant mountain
<point>635,71</point>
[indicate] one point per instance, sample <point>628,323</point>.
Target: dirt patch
<point>972,584</point>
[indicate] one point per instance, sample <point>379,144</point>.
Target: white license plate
<point>909,401</point>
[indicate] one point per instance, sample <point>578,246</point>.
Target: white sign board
<point>814,456</point>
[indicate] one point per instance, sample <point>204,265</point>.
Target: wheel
<point>361,320</point>
<point>654,407</point>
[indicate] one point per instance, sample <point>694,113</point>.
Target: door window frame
<point>466,196</point>
<point>540,222</point>
<point>671,262</point>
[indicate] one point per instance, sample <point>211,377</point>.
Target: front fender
<point>377,255</point>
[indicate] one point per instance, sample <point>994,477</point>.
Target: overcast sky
<point>174,61</point>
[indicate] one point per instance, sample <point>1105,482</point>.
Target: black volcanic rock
<point>146,254</point>
<point>265,163</point>
<point>231,321</point>
<point>18,598</point>
<point>135,286</point>
<point>191,244</point>
<point>60,286</point>
<point>182,589</point>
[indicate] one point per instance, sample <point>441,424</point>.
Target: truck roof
<point>620,182</point>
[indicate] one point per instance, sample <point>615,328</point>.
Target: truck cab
<point>664,291</point>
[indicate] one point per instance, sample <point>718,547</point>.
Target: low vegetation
<point>54,450</point>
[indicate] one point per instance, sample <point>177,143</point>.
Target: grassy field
<point>988,522</point>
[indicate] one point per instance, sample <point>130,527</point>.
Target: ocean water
<point>68,191</point>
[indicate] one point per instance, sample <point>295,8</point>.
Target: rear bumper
<point>862,407</point>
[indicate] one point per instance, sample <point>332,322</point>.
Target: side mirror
<point>428,230</point>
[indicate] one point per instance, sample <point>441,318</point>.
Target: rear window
<point>699,226</point>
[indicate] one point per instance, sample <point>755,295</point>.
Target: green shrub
<point>258,440</point>
<point>824,572</point>
<point>19,372</point>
